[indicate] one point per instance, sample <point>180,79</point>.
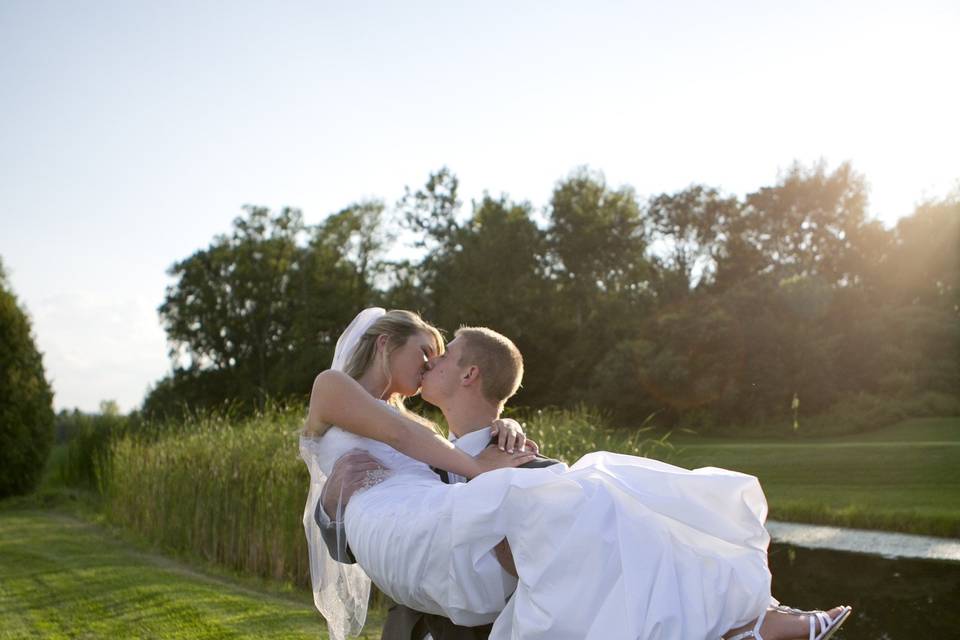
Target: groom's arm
<point>334,536</point>
<point>350,473</point>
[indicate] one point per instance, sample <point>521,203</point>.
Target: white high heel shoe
<point>828,626</point>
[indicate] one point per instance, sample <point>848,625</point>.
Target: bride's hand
<point>493,458</point>
<point>510,436</point>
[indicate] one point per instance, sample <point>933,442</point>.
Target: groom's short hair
<point>499,360</point>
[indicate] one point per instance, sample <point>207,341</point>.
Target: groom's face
<point>441,376</point>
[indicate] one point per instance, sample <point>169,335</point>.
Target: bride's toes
<point>820,622</point>
<point>798,625</point>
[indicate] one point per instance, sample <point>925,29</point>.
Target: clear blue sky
<point>132,132</point>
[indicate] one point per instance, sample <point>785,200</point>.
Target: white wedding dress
<point>614,546</point>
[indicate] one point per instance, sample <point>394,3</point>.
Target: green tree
<point>924,262</point>
<point>597,241</point>
<point>804,224</point>
<point>430,213</point>
<point>430,217</point>
<point>601,277</point>
<point>355,240</point>
<point>911,306</point>
<point>493,275</point>
<point>685,361</point>
<point>231,308</point>
<point>26,400</point>
<point>257,313</point>
<point>691,226</point>
<point>336,277</point>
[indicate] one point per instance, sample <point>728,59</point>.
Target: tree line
<point>26,399</point>
<point>702,308</point>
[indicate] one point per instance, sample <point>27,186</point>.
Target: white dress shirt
<point>472,444</point>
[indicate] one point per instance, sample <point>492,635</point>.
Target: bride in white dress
<point>613,546</point>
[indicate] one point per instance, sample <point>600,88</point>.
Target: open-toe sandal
<point>827,625</point>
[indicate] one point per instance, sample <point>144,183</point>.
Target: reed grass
<point>568,434</point>
<point>83,450</point>
<point>230,492</point>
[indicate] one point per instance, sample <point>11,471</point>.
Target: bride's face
<point>407,363</point>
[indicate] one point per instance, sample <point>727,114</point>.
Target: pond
<point>892,599</point>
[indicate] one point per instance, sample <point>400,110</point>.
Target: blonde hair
<point>499,360</point>
<point>398,326</point>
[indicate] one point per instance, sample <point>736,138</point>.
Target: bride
<point>612,547</point>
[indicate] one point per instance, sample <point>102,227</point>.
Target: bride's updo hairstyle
<point>398,325</point>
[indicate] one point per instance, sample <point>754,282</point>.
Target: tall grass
<point>567,434</point>
<point>84,446</point>
<point>231,492</point>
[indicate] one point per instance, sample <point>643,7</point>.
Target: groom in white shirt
<point>469,383</point>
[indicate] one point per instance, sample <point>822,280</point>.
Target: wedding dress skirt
<point>614,546</point>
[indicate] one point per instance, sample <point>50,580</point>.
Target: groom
<point>469,383</point>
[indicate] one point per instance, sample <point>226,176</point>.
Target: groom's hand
<point>354,470</point>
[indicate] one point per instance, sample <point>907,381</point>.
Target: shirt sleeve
<point>334,535</point>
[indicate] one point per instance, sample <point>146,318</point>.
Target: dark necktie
<point>442,473</point>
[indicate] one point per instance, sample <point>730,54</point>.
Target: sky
<point>132,132</point>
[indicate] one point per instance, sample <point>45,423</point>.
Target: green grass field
<point>64,578</point>
<point>905,477</point>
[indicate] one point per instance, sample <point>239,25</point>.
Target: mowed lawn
<point>64,578</point>
<point>905,477</point>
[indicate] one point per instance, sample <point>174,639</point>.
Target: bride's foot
<point>781,625</point>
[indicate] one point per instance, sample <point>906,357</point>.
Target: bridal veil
<point>340,591</point>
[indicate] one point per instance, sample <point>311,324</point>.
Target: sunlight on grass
<point>61,578</point>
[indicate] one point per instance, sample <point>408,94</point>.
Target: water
<point>891,599</point>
